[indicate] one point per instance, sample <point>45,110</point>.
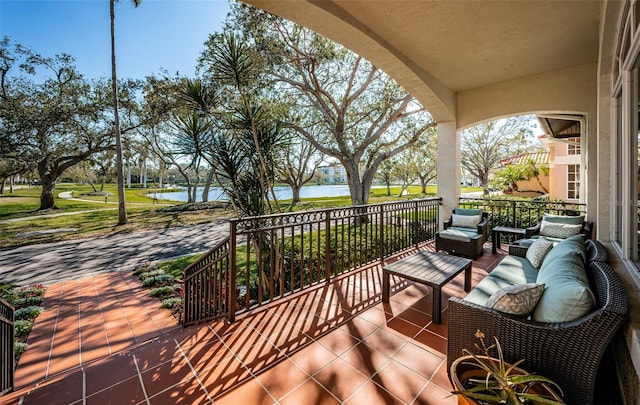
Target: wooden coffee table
<point>432,269</point>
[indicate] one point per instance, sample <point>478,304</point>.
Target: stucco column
<point>448,168</point>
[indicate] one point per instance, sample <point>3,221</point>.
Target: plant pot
<point>461,371</point>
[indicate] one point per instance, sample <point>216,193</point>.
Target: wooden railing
<point>6,347</point>
<point>270,257</point>
<point>520,213</point>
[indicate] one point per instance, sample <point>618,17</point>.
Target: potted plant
<point>484,379</point>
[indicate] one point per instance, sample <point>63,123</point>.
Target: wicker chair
<point>470,247</point>
<point>568,352</point>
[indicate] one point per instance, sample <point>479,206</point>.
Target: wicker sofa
<point>568,352</point>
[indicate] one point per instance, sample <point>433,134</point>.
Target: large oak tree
<point>52,124</point>
<point>343,105</point>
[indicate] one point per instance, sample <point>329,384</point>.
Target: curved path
<point>53,262</point>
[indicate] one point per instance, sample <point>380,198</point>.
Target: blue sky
<point>158,34</point>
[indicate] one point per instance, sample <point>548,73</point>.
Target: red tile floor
<point>102,340</point>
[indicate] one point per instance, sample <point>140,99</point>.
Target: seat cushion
<point>455,234</point>
<point>512,270</point>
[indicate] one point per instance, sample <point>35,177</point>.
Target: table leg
<point>385,286</point>
<point>495,239</point>
<point>467,279</point>
<point>436,308</point>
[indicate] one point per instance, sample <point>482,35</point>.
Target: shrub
<point>22,327</point>
<point>23,302</point>
<point>29,313</point>
<point>19,348</point>
<point>161,291</point>
<point>34,290</point>
<point>171,302</point>
<point>150,274</point>
<point>141,268</point>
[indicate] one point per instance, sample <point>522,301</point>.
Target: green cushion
<point>467,211</point>
<point>515,270</point>
<point>469,231</point>
<point>454,234</point>
<point>485,289</point>
<point>566,295</point>
<point>564,247</point>
<point>564,219</point>
<point>511,270</point>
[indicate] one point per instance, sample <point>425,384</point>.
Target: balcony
<point>102,340</point>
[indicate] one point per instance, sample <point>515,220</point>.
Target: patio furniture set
<point>553,301</point>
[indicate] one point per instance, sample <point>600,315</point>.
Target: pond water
<point>282,193</point>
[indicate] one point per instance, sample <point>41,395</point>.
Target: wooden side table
<point>498,230</point>
<point>432,269</point>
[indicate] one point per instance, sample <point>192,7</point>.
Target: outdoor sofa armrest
<point>483,226</point>
<point>534,230</point>
<point>447,223</point>
<point>516,249</point>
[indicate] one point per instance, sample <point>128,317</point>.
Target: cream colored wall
<point>567,90</point>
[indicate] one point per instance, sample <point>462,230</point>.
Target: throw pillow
<point>465,221</point>
<point>517,299</point>
<point>538,250</point>
<point>467,211</point>
<point>564,219</point>
<point>557,230</point>
<point>567,295</point>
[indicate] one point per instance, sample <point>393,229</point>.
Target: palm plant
<point>501,383</point>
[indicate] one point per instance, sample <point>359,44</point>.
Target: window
<point>573,182</point>
<point>573,148</point>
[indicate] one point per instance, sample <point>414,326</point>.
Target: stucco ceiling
<point>469,44</point>
<point>457,45</point>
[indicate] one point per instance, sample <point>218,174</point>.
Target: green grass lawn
<point>141,212</point>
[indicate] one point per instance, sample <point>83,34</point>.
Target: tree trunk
<point>207,186</point>
<point>122,210</point>
<point>388,188</point>
<point>296,193</point>
<point>128,174</point>
<point>47,197</point>
<point>2,186</point>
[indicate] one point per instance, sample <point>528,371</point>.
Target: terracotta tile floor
<point>102,340</point>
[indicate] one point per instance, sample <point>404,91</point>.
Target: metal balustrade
<point>270,257</point>
<point>6,346</point>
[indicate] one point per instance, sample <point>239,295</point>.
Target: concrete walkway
<point>54,262</point>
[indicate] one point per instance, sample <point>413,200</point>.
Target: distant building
<point>534,186</point>
<point>564,168</point>
<point>563,160</point>
<point>333,173</point>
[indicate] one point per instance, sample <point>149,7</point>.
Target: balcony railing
<point>521,213</point>
<point>270,257</point>
<point>6,347</point>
